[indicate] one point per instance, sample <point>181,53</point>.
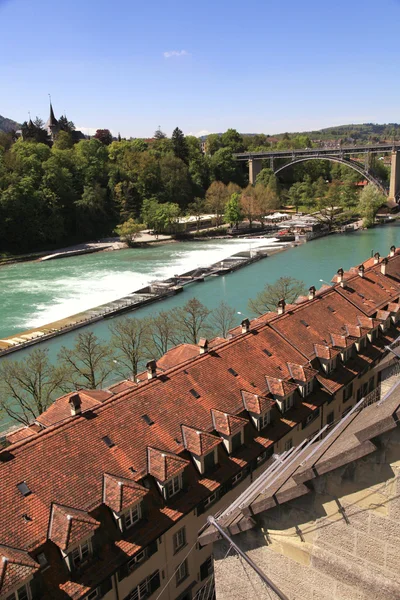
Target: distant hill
<point>7,125</point>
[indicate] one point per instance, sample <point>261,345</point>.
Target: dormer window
<point>236,441</point>
<point>173,486</point>
<point>361,344</point>
<point>80,555</point>
<point>264,420</point>
<point>329,365</point>
<point>210,460</point>
<point>373,334</point>
<point>306,388</point>
<point>285,403</point>
<point>133,515</point>
<point>346,354</point>
<point>22,593</point>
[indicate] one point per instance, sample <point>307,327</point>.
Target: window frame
<point>206,456</point>
<point>264,420</point>
<point>237,478</point>
<point>181,576</point>
<point>15,595</point>
<point>209,564</point>
<point>210,500</point>
<point>346,395</point>
<point>89,597</point>
<point>288,444</point>
<point>178,544</point>
<point>129,515</point>
<point>307,388</point>
<point>175,484</point>
<point>82,560</point>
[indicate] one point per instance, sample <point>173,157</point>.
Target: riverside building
<point>104,496</point>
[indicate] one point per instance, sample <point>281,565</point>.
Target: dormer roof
<point>301,373</point>
<point>383,315</point>
<point>119,492</point>
<point>68,526</point>
<point>393,307</point>
<point>280,387</point>
<point>367,322</point>
<point>226,423</point>
<point>325,351</point>
<point>355,331</point>
<point>256,404</point>
<point>16,566</point>
<point>164,465</point>
<point>198,442</point>
<point>340,341</point>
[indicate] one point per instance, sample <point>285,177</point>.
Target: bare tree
<point>284,287</point>
<point>29,386</point>
<point>191,321</point>
<point>222,319</point>
<point>163,333</point>
<point>130,340</point>
<point>88,363</point>
<point>216,197</point>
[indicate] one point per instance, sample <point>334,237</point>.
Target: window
<point>135,560</point>
<point>288,444</point>
<point>330,418</point>
<point>145,588</point>
<point>261,457</point>
<point>42,560</point>
<point>371,384</point>
<point>330,365</point>
<point>362,391</point>
<point>80,555</point>
<point>286,403</point>
<point>182,572</point>
<point>207,568</point>
<point>348,392</point>
<point>179,539</point>
<point>307,388</point>
<point>210,500</point>
<point>173,486</point>
<point>133,515</point>
<point>310,418</point>
<point>209,461</point>
<point>23,593</point>
<point>237,478</point>
<point>344,413</point>
<point>93,595</point>
<point>362,343</point>
<point>264,420</point>
<point>236,441</point>
<point>373,334</point>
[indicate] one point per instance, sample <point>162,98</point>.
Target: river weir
<point>156,291</point>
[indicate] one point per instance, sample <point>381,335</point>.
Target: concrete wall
<point>313,550</point>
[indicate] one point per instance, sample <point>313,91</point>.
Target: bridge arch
<point>352,164</point>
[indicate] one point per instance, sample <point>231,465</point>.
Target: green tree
<point>197,209</point>
<point>233,140</point>
<point>233,211</point>
<point>179,145</point>
<point>129,231</point>
<point>330,206</point>
<point>158,134</point>
<point>213,143</point>
<point>175,181</point>
<point>65,125</point>
<point>216,197</point>
<point>267,300</point>
<point>369,203</point>
<point>29,386</point>
<point>88,364</point>
<point>224,166</point>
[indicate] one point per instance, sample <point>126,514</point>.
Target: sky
<point>265,66</point>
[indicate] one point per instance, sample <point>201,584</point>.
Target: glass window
<point>173,486</point>
<point>179,539</point>
<point>288,444</point>
<point>23,593</point>
<point>80,555</point>
<point>330,418</point>
<point>206,568</point>
<point>264,420</point>
<point>132,516</point>
<point>209,461</point>
<point>182,572</point>
<point>348,392</point>
<point>94,594</point>
<point>371,384</point>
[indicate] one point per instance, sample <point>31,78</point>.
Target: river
<point>33,294</point>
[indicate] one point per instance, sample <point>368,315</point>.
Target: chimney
<point>151,367</point>
<point>340,274</point>
<point>383,266</point>
<point>392,250</point>
<point>203,345</point>
<point>245,325</point>
<point>376,258</point>
<point>75,404</point>
<point>361,270</point>
<point>281,306</point>
<point>311,293</point>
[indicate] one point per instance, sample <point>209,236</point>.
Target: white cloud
<point>174,53</point>
<point>199,133</point>
<point>86,130</point>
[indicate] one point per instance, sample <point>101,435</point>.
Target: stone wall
<point>339,542</point>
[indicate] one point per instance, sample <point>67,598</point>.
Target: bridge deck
<point>318,152</point>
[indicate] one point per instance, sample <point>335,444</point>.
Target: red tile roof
<point>199,442</point>
<point>15,566</point>
<point>301,373</point>
<point>60,410</point>
<point>122,386</point>
<point>164,465</point>
<point>279,387</point>
<point>256,404</point>
<point>325,351</point>
<point>23,433</point>
<point>69,526</point>
<point>178,355</point>
<point>120,492</point>
<point>227,424</point>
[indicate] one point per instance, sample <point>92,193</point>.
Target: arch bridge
<point>339,155</point>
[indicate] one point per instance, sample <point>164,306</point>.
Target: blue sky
<point>261,66</point>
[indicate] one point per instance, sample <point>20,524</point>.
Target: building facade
<point>104,495</point>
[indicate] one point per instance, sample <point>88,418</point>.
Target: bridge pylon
<point>254,170</point>
<point>394,187</point>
